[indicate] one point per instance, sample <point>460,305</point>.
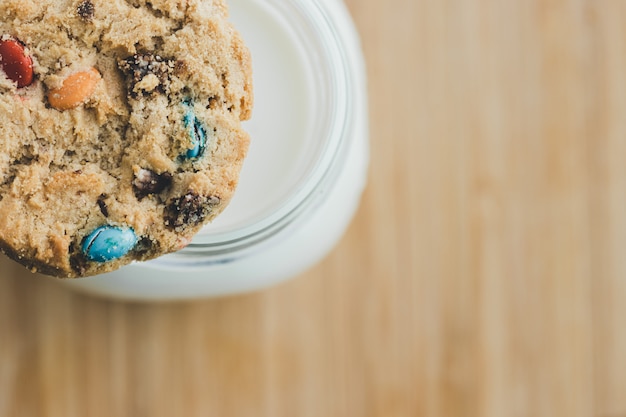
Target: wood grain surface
<point>484,275</point>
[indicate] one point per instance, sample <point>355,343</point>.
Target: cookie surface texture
<point>120,127</point>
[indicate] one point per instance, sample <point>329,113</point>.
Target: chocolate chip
<point>145,246</point>
<point>104,209</point>
<point>78,264</point>
<point>139,66</point>
<point>86,10</point>
<point>190,209</point>
<point>148,182</point>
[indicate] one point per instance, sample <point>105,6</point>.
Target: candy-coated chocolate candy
<point>197,133</point>
<point>76,89</point>
<point>15,63</point>
<point>108,243</point>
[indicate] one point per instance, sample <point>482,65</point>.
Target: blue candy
<point>197,133</point>
<point>108,243</point>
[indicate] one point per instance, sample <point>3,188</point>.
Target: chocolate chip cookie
<point>121,128</point>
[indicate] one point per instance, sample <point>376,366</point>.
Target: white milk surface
<point>280,129</point>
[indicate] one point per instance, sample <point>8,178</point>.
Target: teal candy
<point>197,133</point>
<point>108,243</point>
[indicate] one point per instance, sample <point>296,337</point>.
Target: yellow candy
<point>76,89</point>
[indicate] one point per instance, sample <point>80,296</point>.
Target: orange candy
<point>15,63</point>
<point>76,89</point>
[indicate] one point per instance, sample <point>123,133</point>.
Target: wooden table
<point>484,275</point>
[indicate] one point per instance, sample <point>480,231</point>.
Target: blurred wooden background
<point>485,274</point>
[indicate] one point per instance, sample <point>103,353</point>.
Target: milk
<point>282,142</point>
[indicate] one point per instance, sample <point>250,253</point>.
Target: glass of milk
<point>306,167</point>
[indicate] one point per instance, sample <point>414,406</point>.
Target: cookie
<point>121,128</point>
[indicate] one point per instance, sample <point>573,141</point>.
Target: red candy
<point>15,63</point>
